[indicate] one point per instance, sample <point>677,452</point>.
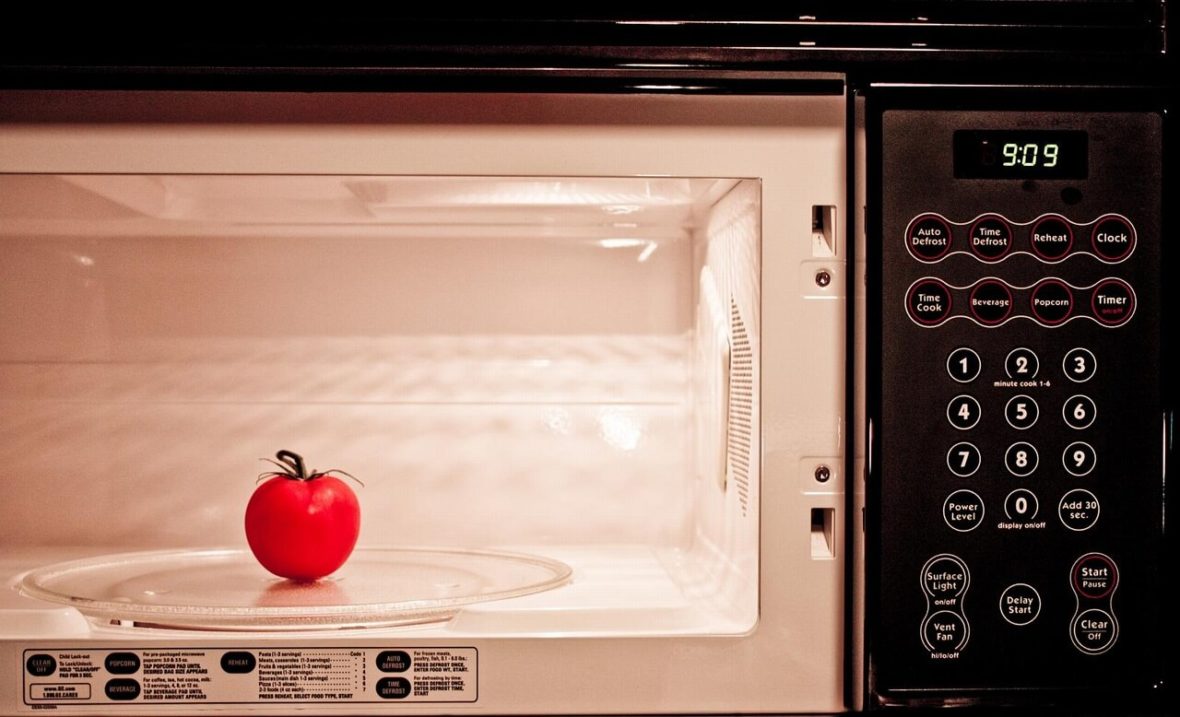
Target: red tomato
<point>302,526</point>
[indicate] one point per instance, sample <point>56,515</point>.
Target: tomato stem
<point>294,461</point>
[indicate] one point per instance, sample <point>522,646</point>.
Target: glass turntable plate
<point>228,590</point>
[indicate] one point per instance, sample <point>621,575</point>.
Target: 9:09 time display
<point>1021,154</point>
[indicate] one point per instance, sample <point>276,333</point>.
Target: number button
<point>963,412</point>
<point>1079,459</point>
<point>1021,459</point>
<point>963,365</point>
<point>1079,365</point>
<point>1079,412</point>
<point>963,459</point>
<point>1021,412</point>
<point>1022,363</point>
<point>1021,504</point>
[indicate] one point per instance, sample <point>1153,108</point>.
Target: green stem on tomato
<point>295,462</point>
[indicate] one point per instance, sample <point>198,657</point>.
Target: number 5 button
<point>1021,412</point>
<point>963,412</point>
<point>1079,411</point>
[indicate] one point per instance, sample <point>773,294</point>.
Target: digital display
<point>1021,154</point>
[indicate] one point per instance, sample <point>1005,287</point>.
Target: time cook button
<point>929,302</point>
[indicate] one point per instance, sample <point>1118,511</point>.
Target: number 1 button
<point>963,365</point>
<point>963,412</point>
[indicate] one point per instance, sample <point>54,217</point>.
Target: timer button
<point>928,302</point>
<point>1051,237</point>
<point>1051,301</point>
<point>928,238</point>
<point>1113,238</point>
<point>1113,302</point>
<point>990,237</point>
<point>991,302</point>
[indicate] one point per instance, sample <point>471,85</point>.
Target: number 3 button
<point>1079,411</point>
<point>1079,365</point>
<point>963,412</point>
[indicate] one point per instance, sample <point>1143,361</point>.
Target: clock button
<point>1113,238</point>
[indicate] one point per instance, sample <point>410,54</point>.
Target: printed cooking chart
<point>250,675</point>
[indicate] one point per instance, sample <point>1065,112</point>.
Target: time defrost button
<point>990,237</point>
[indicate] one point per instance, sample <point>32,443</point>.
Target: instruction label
<point>249,675</point>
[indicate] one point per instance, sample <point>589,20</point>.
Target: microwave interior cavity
<point>562,370</point>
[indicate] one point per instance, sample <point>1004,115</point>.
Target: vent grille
<point>741,407</point>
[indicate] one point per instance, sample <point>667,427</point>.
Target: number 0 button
<point>1021,363</point>
<point>1021,412</point>
<point>963,412</point>
<point>1021,459</point>
<point>1079,365</point>
<point>1079,411</point>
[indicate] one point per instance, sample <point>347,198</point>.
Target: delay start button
<point>928,238</point>
<point>1020,604</point>
<point>1094,631</point>
<point>1094,576</point>
<point>928,302</point>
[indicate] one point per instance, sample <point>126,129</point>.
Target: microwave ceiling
<point>595,207</point>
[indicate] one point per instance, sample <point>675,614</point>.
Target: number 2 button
<point>963,412</point>
<point>1021,363</point>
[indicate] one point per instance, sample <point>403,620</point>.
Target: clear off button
<point>1094,631</point>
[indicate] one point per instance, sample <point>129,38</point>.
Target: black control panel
<point>1016,498</point>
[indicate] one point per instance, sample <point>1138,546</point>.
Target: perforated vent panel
<point>741,406</point>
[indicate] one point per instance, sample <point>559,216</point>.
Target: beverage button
<point>1020,604</point>
<point>1094,576</point>
<point>1094,631</point>
<point>990,237</point>
<point>963,459</point>
<point>963,364</point>
<point>945,630</point>
<point>928,238</point>
<point>1113,238</point>
<point>1078,510</point>
<point>122,689</point>
<point>1079,365</point>
<point>990,302</point>
<point>1051,301</point>
<point>963,511</point>
<point>1051,237</point>
<point>1021,363</point>
<point>945,576</point>
<point>929,302</point>
<point>1113,302</point>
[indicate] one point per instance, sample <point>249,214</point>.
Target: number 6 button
<point>1079,411</point>
<point>963,412</point>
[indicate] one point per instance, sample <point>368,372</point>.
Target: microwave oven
<point>803,364</point>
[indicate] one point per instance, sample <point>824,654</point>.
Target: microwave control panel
<point>1016,494</point>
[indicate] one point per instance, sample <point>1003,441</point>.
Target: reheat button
<point>1051,238</point>
<point>1113,238</point>
<point>990,238</point>
<point>928,238</point>
<point>1095,576</point>
<point>929,302</point>
<point>1113,302</point>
